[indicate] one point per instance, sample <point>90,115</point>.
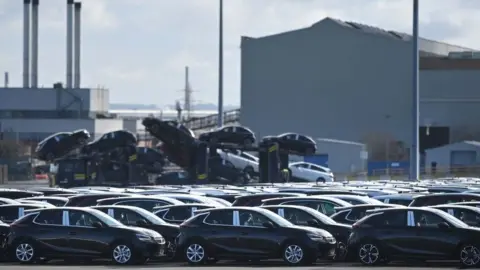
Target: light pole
<point>220,65</point>
<point>414,155</point>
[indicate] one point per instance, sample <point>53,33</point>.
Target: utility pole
<point>414,148</point>
<point>187,103</point>
<point>220,65</point>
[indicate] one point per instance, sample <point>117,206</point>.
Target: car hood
<point>317,231</point>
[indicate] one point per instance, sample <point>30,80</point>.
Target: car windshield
<point>323,218</point>
<point>152,218</point>
<point>276,218</point>
<point>111,222</point>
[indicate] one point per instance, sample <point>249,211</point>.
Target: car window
<point>296,216</point>
<point>8,214</point>
<point>427,219</point>
<point>355,214</point>
<point>252,219</point>
<point>220,218</point>
<point>50,217</point>
<point>388,219</point>
<point>145,204</point>
<point>400,202</point>
<point>318,169</point>
<point>304,138</point>
<point>128,217</point>
<point>312,204</point>
<point>472,218</point>
<point>161,213</point>
<point>81,218</point>
<point>328,208</point>
<point>178,214</point>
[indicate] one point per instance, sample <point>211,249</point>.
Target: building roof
<point>453,145</point>
<point>427,47</point>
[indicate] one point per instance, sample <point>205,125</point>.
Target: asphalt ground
<point>59,265</point>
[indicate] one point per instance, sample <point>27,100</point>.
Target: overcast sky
<point>139,48</point>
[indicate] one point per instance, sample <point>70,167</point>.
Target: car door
<point>85,239</point>
<point>430,240</point>
<point>221,233</point>
<point>254,238</point>
<point>51,232</point>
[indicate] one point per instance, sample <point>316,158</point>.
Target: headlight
<point>144,237</point>
<point>321,238</point>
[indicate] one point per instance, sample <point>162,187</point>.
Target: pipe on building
<point>77,44</point>
<point>69,42</point>
<point>34,61</point>
<point>26,43</point>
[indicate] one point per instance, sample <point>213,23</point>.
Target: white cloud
<point>139,48</point>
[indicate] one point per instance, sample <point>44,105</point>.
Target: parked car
<point>310,172</point>
<point>177,214</point>
<point>151,159</point>
<point>419,233</point>
<point>403,198</point>
<point>110,141</point>
<point>60,144</point>
<point>305,216</point>
<point>11,212</point>
<point>221,169</point>
<point>138,217</point>
<point>295,143</point>
<point>256,199</point>
<point>56,201</point>
<point>355,199</point>
<point>53,191</point>
<point>239,135</point>
<point>11,193</point>
<point>468,214</point>
<point>168,131</point>
<point>353,213</point>
<point>70,232</point>
<point>444,198</point>
<point>4,231</point>
<point>241,160</point>
<point>84,200</point>
<point>253,233</point>
<point>145,202</point>
<point>323,204</point>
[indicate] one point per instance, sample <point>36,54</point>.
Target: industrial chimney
<point>34,63</point>
<point>26,43</point>
<point>69,44</point>
<point>77,45</point>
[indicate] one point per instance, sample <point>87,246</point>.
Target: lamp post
<point>414,154</point>
<point>220,65</point>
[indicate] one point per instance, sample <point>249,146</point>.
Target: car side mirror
<point>443,225</point>
<point>312,222</point>
<point>97,225</point>
<point>142,223</point>
<point>268,225</point>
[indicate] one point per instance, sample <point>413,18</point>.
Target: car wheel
<point>196,254</point>
<point>25,252</point>
<point>293,254</point>
<point>320,180</point>
<point>122,254</point>
<point>469,255</point>
<point>340,252</point>
<point>369,254</point>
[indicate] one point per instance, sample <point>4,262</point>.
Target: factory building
<point>353,82</point>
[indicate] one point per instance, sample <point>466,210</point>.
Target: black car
<point>7,201</point>
<point>145,202</point>
<point>325,205</point>
<point>11,212</point>
<point>351,214</point>
<point>72,232</point>
<point>419,233</point>
<point>256,199</point>
<point>294,143</point>
<point>56,201</point>
<point>254,233</point>
<point>4,231</point>
<point>168,131</point>
<point>10,193</point>
<point>176,214</point>
<point>60,144</point>
<point>229,134</point>
<point>305,216</point>
<point>468,214</point>
<point>135,216</point>
<point>151,159</point>
<point>110,141</point>
<point>83,200</point>
<point>221,170</point>
<point>319,191</point>
<point>53,191</point>
<point>444,198</point>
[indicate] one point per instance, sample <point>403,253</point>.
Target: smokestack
<point>77,45</point>
<point>69,43</point>
<point>26,43</point>
<point>34,67</point>
<point>6,80</point>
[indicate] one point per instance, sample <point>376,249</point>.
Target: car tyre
<point>196,253</point>
<point>123,254</point>
<point>24,252</point>
<point>295,254</point>
<point>369,254</point>
<point>320,180</point>
<point>469,255</point>
<point>340,252</point>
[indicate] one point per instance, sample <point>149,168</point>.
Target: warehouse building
<point>353,82</point>
<point>463,155</point>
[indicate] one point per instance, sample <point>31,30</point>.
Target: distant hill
<point>197,107</point>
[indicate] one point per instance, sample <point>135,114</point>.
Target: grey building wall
<point>333,81</point>
<point>344,157</point>
<point>466,153</point>
<point>50,99</point>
